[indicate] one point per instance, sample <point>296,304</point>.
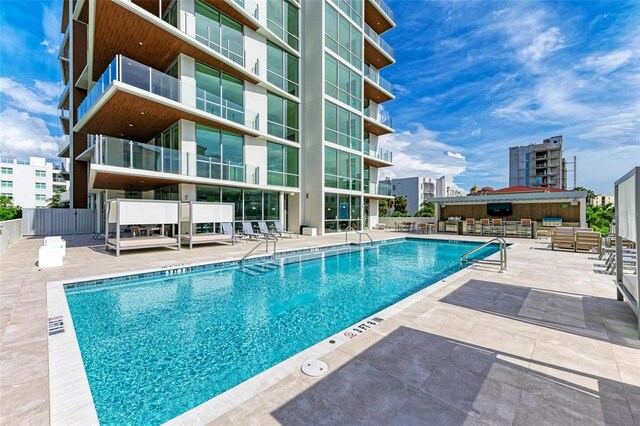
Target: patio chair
<point>247,230</point>
<point>135,231</point>
<point>485,226</point>
<point>227,229</point>
<point>497,227</point>
<point>283,231</point>
<point>471,226</point>
<point>524,228</point>
<point>422,228</point>
<point>563,237</point>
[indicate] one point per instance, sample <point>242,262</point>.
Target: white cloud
<point>42,98</point>
<point>23,135</point>
<point>476,132</point>
<point>419,153</point>
<point>401,90</point>
<point>608,62</point>
<point>51,29</point>
<point>543,45</point>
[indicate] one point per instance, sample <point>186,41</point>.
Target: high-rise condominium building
<point>418,189</point>
<point>30,184</point>
<point>538,165</point>
<point>272,105</point>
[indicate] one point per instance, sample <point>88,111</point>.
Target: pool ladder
<point>464,259</point>
<point>268,238</point>
<point>360,234</point>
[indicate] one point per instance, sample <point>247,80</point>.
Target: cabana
<point>627,197</point>
<point>155,214</point>
<point>196,212</point>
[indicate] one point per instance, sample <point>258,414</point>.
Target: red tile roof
<point>524,189</point>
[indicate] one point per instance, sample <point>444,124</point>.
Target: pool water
<point>154,348</point>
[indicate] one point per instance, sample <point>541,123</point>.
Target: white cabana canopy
<point>195,212</point>
<point>123,212</point>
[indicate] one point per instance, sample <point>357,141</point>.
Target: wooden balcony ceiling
<point>373,92</point>
<point>374,162</point>
<point>104,180</point>
<point>375,19</point>
<point>228,9</point>
<point>375,128</point>
<point>120,31</point>
<point>373,55</point>
<point>122,116</point>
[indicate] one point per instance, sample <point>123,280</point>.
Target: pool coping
<point>71,400</point>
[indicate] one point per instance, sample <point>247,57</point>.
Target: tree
<point>427,209</point>
<point>55,203</point>
<point>600,217</point>
<point>400,205</point>
<point>7,210</point>
<point>590,194</point>
<point>383,207</point>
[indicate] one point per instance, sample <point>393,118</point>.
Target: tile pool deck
<point>543,343</point>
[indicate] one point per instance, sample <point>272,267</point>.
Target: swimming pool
<point>156,346</point>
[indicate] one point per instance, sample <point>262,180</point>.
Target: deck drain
<point>315,368</point>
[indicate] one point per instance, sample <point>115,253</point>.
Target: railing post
<point>162,159</point>
<point>130,154</point>
<point>150,80</point>
<point>209,167</point>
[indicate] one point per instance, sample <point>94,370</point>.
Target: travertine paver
<point>544,343</point>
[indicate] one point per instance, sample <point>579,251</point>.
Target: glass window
<point>342,126</point>
<point>282,165</point>
<point>7,184</point>
<point>210,194</point>
<point>234,195</point>
<point>343,38</point>
<point>219,154</point>
<point>282,20</point>
<point>219,94</point>
<point>282,69</point>
<point>41,197</point>
<point>353,9</point>
<point>219,32</point>
<point>9,171</point>
<point>41,173</point>
<point>342,83</point>
<point>341,211</point>
<point>282,117</point>
<point>171,193</point>
<point>252,204</point>
<point>41,185</point>
<point>271,206</point>
<point>342,170</point>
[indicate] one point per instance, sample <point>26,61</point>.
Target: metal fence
<point>58,221</point>
<point>10,232</point>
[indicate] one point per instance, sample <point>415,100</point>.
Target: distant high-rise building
<point>538,165</point>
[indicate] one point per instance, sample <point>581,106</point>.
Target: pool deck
<point>546,342</point>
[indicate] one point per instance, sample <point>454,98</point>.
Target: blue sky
<point>471,79</point>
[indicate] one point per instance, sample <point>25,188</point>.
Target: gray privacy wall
<point>58,221</point>
<point>10,232</point>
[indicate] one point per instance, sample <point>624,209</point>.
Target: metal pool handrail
<point>464,259</point>
<point>360,233</point>
<point>266,242</point>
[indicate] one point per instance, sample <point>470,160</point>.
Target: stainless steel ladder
<point>266,243</point>
<point>464,259</point>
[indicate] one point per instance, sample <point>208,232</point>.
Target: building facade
<point>30,184</point>
<point>602,200</point>
<point>419,189</point>
<point>273,105</point>
<point>538,165</point>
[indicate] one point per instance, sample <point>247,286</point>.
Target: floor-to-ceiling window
<point>282,118</point>
<point>282,69</point>
<point>220,154</point>
<point>353,8</point>
<point>342,211</point>
<point>342,126</point>
<point>342,83</point>
<point>219,93</point>
<point>282,165</point>
<point>342,170</point>
<point>219,32</point>
<point>282,19</point>
<point>342,37</point>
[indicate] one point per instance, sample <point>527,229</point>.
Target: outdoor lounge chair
<point>247,230</point>
<point>264,229</point>
<point>588,240</point>
<point>564,238</point>
<point>281,229</point>
<point>227,228</point>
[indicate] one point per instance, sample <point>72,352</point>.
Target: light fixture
<point>142,113</point>
<point>140,43</point>
<point>130,125</point>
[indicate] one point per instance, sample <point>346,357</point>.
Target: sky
<point>471,78</point>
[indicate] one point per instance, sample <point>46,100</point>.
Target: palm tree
<point>427,209</point>
<point>590,194</point>
<point>383,206</point>
<point>400,204</point>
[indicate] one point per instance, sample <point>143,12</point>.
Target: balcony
<point>134,99</point>
<point>63,151</point>
<point>377,122</point>
<point>376,50</point>
<point>173,166</point>
<point>378,15</point>
<point>134,29</point>
<point>377,158</point>
<point>381,189</point>
<point>381,90</point>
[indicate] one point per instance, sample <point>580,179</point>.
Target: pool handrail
<point>464,259</point>
<point>266,242</point>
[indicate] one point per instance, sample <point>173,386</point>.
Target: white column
<point>188,148</point>
<point>187,17</point>
<point>583,212</point>
<point>187,72</point>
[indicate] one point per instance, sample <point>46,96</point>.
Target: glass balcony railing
<point>378,189</point>
<point>380,154</point>
<point>118,152</point>
<point>231,47</point>
<point>378,40</point>
<point>250,6</point>
<point>150,80</point>
<point>374,75</point>
<point>385,8</point>
<point>382,117</point>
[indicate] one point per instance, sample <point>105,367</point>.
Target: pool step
<point>258,269</point>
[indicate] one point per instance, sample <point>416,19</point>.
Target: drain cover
<point>315,368</point>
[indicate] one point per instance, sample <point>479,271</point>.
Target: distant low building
<point>31,184</point>
<point>419,189</point>
<point>601,200</point>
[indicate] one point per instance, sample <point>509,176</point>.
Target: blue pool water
<point>156,347</point>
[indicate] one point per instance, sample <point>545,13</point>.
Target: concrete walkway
<point>544,343</point>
